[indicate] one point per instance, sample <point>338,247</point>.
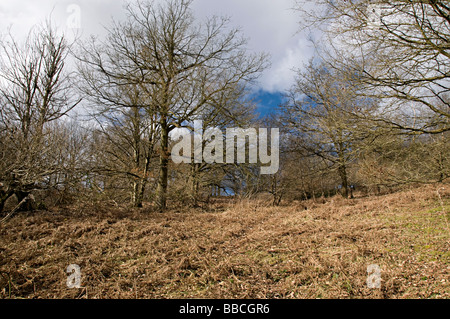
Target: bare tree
<point>232,108</point>
<point>398,49</point>
<point>319,114</point>
<point>35,90</point>
<point>180,65</point>
<point>129,135</point>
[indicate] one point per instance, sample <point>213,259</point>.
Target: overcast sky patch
<point>271,26</point>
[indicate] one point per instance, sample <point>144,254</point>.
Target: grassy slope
<point>245,251</point>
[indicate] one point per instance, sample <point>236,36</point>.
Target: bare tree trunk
<point>276,193</point>
<point>195,184</point>
<point>161,190</point>
<point>139,191</point>
<point>344,180</point>
<point>136,198</point>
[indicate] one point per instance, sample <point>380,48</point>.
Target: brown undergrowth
<point>244,250</point>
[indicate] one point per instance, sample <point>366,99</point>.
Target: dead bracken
<point>241,249</point>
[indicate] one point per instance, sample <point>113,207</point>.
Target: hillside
<point>313,249</point>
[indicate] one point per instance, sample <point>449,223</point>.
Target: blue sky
<point>268,102</point>
<point>270,25</point>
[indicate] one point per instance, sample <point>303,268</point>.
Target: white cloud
<point>270,25</point>
<point>22,15</point>
<point>283,72</point>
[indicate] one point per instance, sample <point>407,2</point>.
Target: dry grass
<point>247,250</point>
